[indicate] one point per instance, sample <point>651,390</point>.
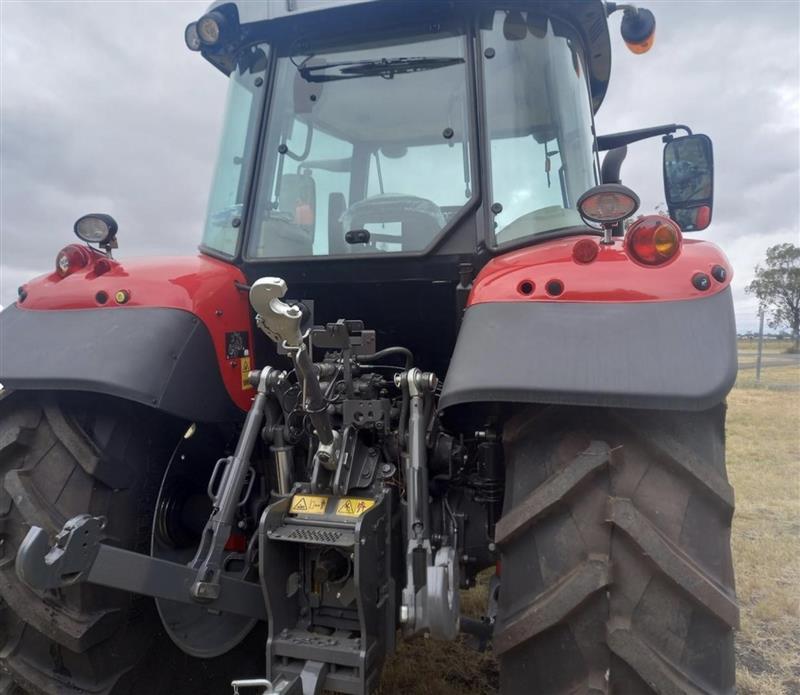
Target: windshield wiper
<point>386,68</point>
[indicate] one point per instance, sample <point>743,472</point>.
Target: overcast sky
<point>103,109</point>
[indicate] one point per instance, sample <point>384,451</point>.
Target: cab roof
<point>279,17</point>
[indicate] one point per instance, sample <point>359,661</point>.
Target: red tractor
<point>425,337</point>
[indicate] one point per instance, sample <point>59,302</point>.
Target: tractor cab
<point>400,149</point>
<point>368,141</point>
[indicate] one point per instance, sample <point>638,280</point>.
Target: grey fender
<point>676,355</point>
<point>163,358</point>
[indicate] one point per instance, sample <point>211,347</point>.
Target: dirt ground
<point>764,468</point>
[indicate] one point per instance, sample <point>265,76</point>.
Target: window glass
<point>237,147</point>
<point>540,126</point>
<point>364,138</point>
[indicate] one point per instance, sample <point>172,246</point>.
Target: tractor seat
<point>396,222</point>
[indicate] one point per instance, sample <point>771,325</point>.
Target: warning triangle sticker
<point>301,505</point>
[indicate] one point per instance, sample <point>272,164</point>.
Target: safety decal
<point>353,506</point>
<point>308,504</point>
<point>245,362</point>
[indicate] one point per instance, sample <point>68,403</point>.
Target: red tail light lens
<point>585,251</point>
<point>653,240</point>
<point>72,258</point>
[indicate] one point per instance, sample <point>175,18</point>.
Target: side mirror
<point>689,181</point>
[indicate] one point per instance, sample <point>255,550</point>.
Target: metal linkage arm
<point>79,556</point>
<point>207,562</point>
<point>430,595</point>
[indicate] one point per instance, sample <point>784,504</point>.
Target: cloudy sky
<point>102,108</point>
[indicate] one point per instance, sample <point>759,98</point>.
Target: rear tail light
<point>653,240</point>
<point>72,258</point>
<point>585,251</point>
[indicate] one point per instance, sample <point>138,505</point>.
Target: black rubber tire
<point>615,553</point>
<point>70,454</point>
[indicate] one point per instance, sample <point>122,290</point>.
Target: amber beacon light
<point>638,26</point>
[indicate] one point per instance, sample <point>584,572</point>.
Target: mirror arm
<point>612,163</point>
<point>614,140</point>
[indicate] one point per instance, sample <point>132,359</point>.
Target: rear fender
<point>173,334</point>
<point>617,335</point>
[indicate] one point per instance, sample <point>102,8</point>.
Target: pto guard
<point>675,355</point>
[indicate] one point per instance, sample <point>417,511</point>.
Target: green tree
<point>777,287</point>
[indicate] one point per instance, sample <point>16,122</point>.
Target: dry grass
<point>782,377</point>
<point>764,467</point>
<point>769,345</point>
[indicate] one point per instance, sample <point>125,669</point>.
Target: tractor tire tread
<point>615,552</point>
<point>70,640</point>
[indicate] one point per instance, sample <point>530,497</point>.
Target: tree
<point>777,287</point>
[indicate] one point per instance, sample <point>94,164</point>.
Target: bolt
<point>492,547</point>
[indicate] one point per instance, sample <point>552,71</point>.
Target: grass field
<point>764,468</point>
<point>768,346</point>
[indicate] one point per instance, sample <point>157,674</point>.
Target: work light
<point>608,203</point>
<point>192,38</point>
<point>96,228</point>
<point>210,28</point>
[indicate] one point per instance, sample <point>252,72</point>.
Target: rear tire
<point>616,565</point>
<point>66,455</point>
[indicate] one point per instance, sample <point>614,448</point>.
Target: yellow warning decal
<point>245,366</point>
<point>353,506</point>
<point>308,504</point>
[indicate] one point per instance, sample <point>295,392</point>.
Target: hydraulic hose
<point>387,352</point>
<point>409,363</point>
